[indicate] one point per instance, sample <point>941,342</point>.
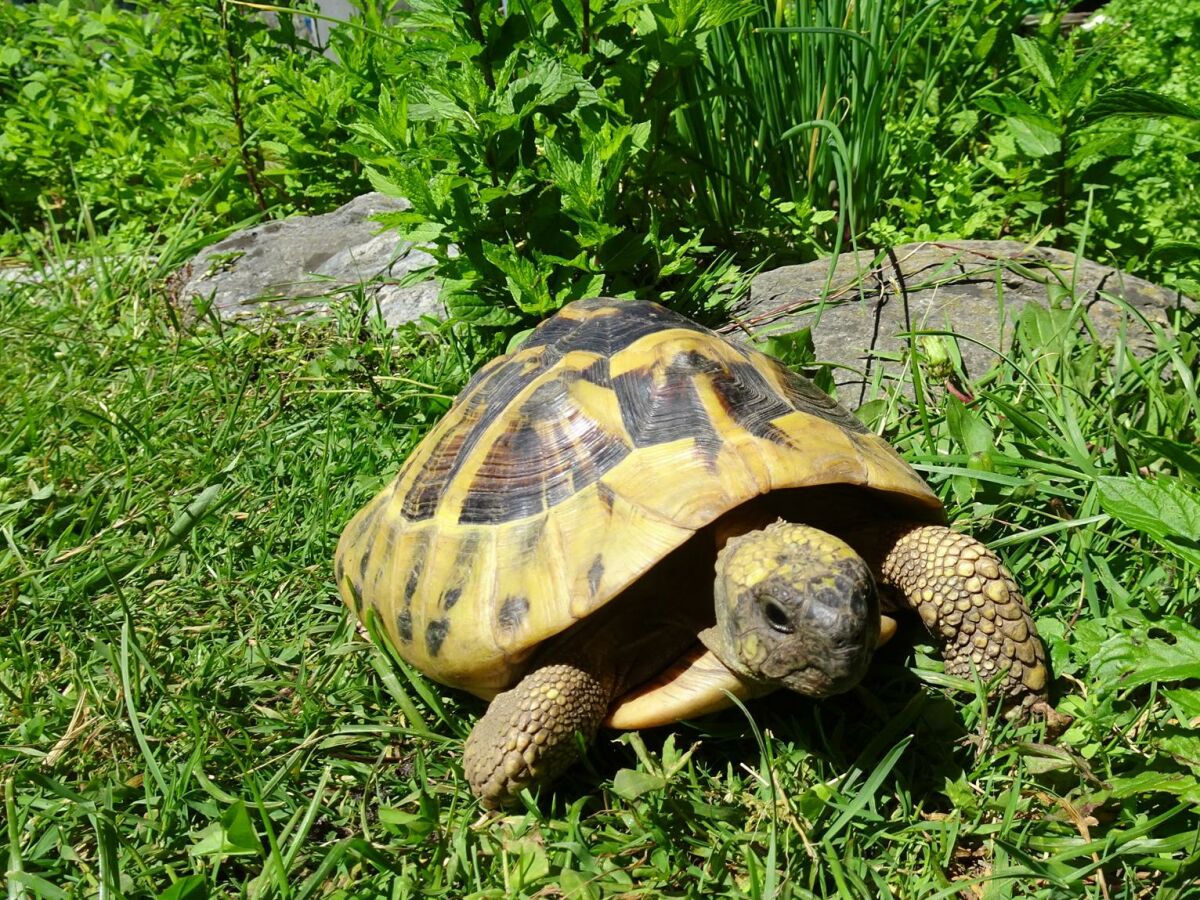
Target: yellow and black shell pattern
<point>568,467</point>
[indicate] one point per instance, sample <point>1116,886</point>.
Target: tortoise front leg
<point>527,735</point>
<point>970,603</point>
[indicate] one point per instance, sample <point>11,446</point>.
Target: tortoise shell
<point>569,467</point>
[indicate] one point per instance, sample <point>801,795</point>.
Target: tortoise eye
<point>777,618</point>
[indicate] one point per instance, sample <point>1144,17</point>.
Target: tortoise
<point>629,519</point>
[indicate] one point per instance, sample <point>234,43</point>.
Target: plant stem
<point>248,162</point>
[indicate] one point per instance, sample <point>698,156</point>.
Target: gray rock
<point>304,263</point>
<point>976,289</point>
<point>23,275</point>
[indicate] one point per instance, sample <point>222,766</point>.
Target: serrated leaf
<point>383,184</point>
<point>1079,75</point>
<point>715,13</point>
<point>433,105</point>
<point>522,276</point>
<point>1035,135</point>
<point>1038,58</point>
<point>640,135</point>
<point>629,784</point>
<point>548,83</point>
<point>1100,145</point>
<point>1134,102</point>
<point>1165,510</point>
<point>469,306</point>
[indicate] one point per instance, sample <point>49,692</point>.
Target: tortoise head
<point>797,608</point>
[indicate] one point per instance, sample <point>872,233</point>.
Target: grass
<point>784,119</point>
<point>187,711</point>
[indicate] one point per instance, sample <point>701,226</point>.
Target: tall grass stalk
<point>794,103</point>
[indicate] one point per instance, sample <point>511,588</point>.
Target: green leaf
<point>575,886</point>
<point>983,46</point>
<point>531,863</point>
<point>873,412</point>
<point>1043,327</point>
<point>383,184</point>
<point>239,830</point>
<point>968,429</point>
<point>1187,704</point>
<point>524,279</point>
<point>517,339</point>
<point>1176,251</point>
<point>1101,144</point>
<point>1041,758</point>
<point>431,104</point>
<point>715,13</point>
<point>35,883</point>
<point>1079,75</point>
<point>1166,650</point>
<point>629,784</point>
<point>191,887</point>
<point>1038,58</point>
<point>234,835</point>
<point>1183,786</point>
<point>414,825</point>
<point>792,348</point>
<point>192,514</point>
<point>1184,746</point>
<point>548,83</point>
<point>470,306</point>
<point>1165,510</point>
<point>1134,102</point>
<point>1034,134</point>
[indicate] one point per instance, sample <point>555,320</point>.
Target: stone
<point>305,263</point>
<point>976,289</point>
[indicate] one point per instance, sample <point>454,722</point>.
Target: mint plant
<point>1048,139</point>
<point>535,145</point>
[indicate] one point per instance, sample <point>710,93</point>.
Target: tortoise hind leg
<point>970,603</point>
<point>527,735</point>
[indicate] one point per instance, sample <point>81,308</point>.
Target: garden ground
<point>187,710</point>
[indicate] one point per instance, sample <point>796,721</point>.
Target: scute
<point>557,443</point>
<point>567,468</point>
